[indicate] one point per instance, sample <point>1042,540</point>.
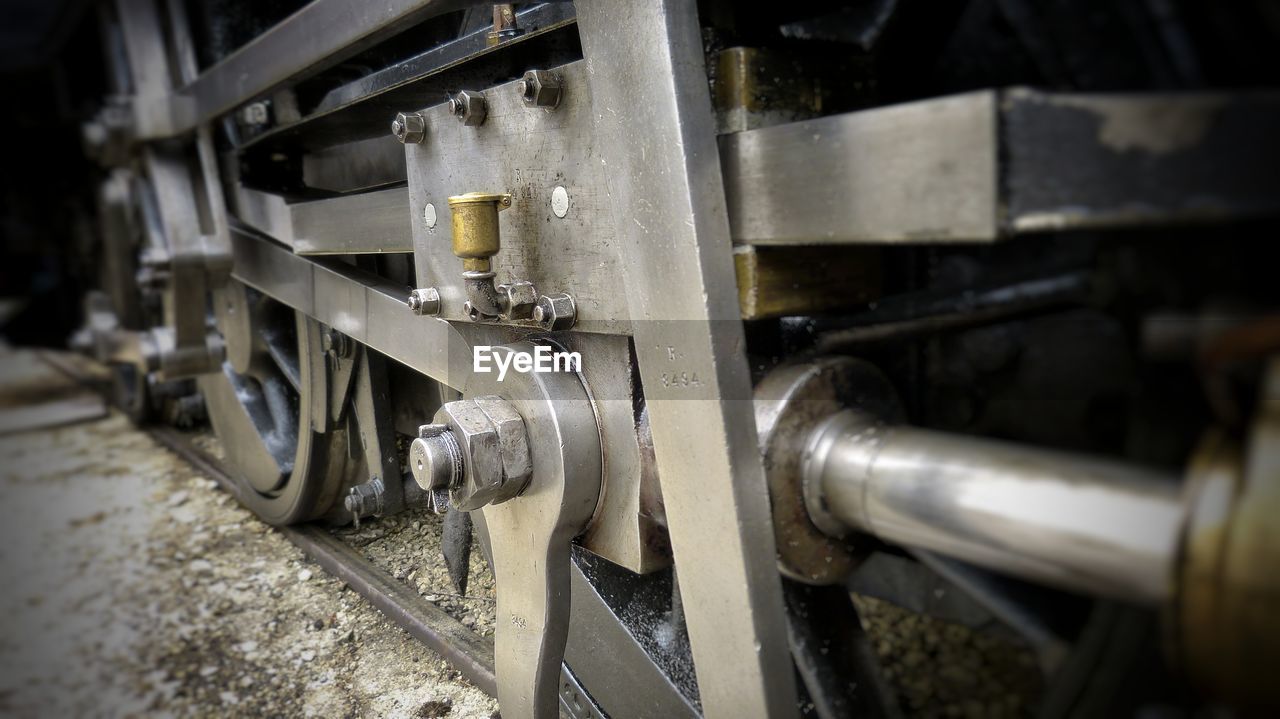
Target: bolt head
<point>556,312</point>
<point>470,107</point>
<point>495,450</point>
<point>425,301</point>
<point>436,459</point>
<point>255,114</point>
<point>335,343</point>
<point>521,298</point>
<point>409,127</point>
<point>540,88</point>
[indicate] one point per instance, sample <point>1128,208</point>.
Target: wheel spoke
<point>282,348</point>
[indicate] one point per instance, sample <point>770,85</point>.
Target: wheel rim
<point>261,407</point>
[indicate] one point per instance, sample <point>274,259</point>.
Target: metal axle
<point>1081,524</point>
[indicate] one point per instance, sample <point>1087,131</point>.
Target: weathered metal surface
<point>526,152</point>
<point>1085,161</point>
<point>624,625</point>
<point>364,107</point>
<point>653,118</point>
<point>368,222</point>
<point>921,171</point>
<point>993,164</point>
<point>757,87</point>
<point>627,528</point>
<point>355,165</point>
<point>801,280</point>
<point>529,535</point>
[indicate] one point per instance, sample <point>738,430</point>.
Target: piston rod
<point>1080,524</point>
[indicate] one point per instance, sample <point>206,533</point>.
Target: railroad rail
<point>470,653</point>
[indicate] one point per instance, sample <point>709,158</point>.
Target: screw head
<point>429,216</point>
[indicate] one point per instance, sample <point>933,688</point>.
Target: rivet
<point>560,201</point>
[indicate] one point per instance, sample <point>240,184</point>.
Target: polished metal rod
<point>1086,525</point>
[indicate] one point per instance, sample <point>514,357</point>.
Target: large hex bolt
<point>540,88</point>
<point>425,301</point>
<point>496,461</point>
<point>519,298</point>
<point>470,107</point>
<point>555,312</point>
<point>409,128</point>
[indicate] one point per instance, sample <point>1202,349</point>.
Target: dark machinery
<point>717,322</point>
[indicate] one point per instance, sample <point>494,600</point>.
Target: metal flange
<point>790,402</point>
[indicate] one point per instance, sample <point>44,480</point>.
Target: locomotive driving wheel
<point>269,408</point>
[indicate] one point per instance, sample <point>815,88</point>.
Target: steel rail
<point>470,653</point>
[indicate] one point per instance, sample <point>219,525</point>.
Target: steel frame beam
<point>320,35</point>
<point>653,112</point>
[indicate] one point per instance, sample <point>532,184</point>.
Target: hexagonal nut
<point>425,301</point>
<point>255,114</point>
<point>513,443</point>
<point>409,127</point>
<point>470,107</point>
<point>482,476</point>
<point>540,88</point>
<point>520,299</point>
<point>556,312</point>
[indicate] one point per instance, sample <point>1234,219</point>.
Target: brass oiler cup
<point>476,236</point>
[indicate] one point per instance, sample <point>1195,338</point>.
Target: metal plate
<point>987,165</point>
<point>652,113</point>
<point>527,152</point>
<point>367,222</point>
<point>1091,161</point>
<point>919,171</point>
<point>372,311</point>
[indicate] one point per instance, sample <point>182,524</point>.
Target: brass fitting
<point>476,239</point>
<point>476,236</point>
<point>1225,631</point>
